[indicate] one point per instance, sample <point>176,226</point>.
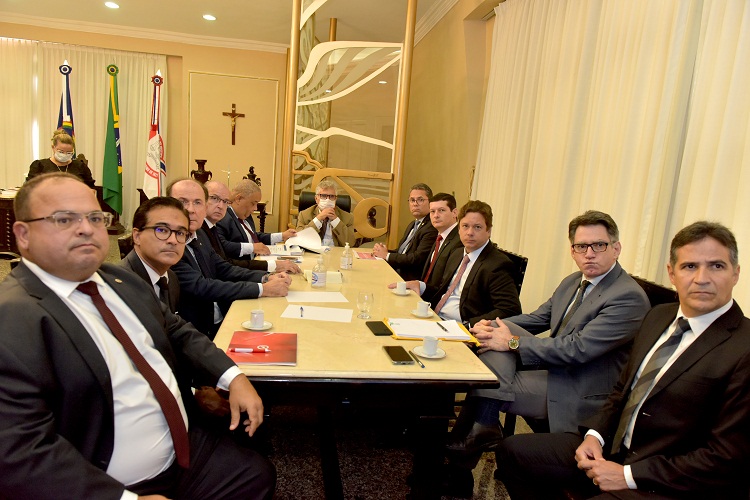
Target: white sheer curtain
<point>590,106</point>
<point>89,87</point>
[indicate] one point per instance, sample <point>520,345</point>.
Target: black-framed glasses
<point>65,220</point>
<point>164,232</point>
<point>598,247</point>
<point>418,201</point>
<point>331,197</point>
<point>217,200</point>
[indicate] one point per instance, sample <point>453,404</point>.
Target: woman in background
<point>62,160</point>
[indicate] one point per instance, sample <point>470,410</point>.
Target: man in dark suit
<point>419,238</point>
<point>236,231</point>
<point>676,423</point>
<point>160,229</point>
<point>216,209</point>
<point>208,283</point>
<point>95,399</point>
<point>564,378</point>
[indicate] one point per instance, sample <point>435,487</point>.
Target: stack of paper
<point>283,250</point>
<point>309,239</point>
<point>419,329</point>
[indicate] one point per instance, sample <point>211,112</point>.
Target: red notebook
<point>268,348</point>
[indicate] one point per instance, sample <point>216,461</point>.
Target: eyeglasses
<point>327,196</point>
<point>418,201</point>
<point>66,220</point>
<point>164,232</point>
<point>598,247</point>
<point>218,200</point>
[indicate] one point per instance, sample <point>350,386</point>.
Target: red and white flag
<point>156,169</point>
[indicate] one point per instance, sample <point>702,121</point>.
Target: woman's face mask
<point>63,157</point>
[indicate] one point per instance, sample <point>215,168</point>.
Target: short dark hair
<point>700,230</point>
<point>21,201</point>
<point>421,186</point>
<point>448,198</point>
<point>140,217</point>
<point>594,218</point>
<point>203,187</point>
<point>479,207</point>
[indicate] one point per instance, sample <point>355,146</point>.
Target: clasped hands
<point>491,338</point>
<point>380,250</point>
<point>607,475</point>
<point>327,213</point>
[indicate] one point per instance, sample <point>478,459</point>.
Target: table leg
<point>329,456</point>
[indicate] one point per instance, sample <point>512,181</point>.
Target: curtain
<point>594,105</point>
<point>89,89</point>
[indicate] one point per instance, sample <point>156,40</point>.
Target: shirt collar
<point>598,279</point>
<point>473,255</point>
<point>208,223</point>
<point>61,287</point>
<point>445,233</point>
<point>700,324</point>
<point>153,275</point>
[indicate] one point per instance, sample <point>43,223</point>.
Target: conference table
<point>344,363</point>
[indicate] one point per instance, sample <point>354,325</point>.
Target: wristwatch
<point>513,343</point>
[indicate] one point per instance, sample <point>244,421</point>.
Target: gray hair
<point>325,184</point>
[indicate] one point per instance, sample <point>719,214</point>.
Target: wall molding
<point>431,18</point>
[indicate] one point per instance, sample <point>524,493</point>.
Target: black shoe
<point>457,483</point>
<point>479,438</point>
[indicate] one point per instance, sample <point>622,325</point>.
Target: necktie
<point>196,246</point>
<point>162,393</point>
<point>434,257</point>
<point>454,284</point>
<point>253,236</point>
<point>163,285</point>
<point>576,304</point>
<point>405,245</point>
<point>323,229</point>
<point>647,380</point>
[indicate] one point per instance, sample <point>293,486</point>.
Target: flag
<point>112,164</point>
<point>156,169</point>
<point>65,118</point>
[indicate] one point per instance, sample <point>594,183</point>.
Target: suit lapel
<point>559,313</point>
<point>591,299</point>
<point>406,233</point>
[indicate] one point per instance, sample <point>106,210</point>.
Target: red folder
<point>282,346</point>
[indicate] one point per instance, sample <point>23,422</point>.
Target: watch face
<point>513,343</point>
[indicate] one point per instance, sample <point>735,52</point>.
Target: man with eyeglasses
<point>218,202</point>
<point>160,229</point>
<point>236,231</point>
<point>208,283</point>
<point>418,240</point>
<point>561,379</point>
<point>336,227</point>
<point>96,372</point>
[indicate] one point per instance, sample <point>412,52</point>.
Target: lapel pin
<point>118,280</point>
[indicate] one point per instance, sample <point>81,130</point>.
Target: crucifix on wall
<point>233,115</point>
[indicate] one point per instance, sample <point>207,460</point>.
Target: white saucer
<point>395,292</point>
<point>415,313</point>
<point>249,326</point>
<point>419,351</point>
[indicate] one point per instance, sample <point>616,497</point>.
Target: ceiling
<point>264,21</point>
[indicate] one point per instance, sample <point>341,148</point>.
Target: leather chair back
<point>307,199</point>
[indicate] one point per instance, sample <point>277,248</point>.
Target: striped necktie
<point>454,284</point>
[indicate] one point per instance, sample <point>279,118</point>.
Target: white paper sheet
<point>316,297</point>
<point>309,239</point>
<point>315,313</point>
<point>419,329</point>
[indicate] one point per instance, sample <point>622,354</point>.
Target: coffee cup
<point>430,346</point>
<point>256,318</point>
<point>423,308</point>
<point>401,287</point>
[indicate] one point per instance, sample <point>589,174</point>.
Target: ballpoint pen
<point>442,328</point>
<point>301,312</point>
<point>249,349</point>
<point>415,358</point>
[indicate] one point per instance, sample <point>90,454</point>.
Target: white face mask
<point>63,157</point>
<point>326,204</point>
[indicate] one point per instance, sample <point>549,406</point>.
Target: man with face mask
<point>333,224</point>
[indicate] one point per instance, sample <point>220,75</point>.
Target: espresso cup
<point>423,308</point>
<point>401,287</point>
<point>430,346</point>
<point>256,318</point>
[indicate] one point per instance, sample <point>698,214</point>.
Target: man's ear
<point>21,231</point>
<point>136,237</point>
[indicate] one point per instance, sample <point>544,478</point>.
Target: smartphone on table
<point>378,328</point>
<point>398,355</point>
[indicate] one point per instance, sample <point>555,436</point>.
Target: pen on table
<point>301,312</point>
<point>442,328</point>
<point>416,359</point>
<point>248,349</point>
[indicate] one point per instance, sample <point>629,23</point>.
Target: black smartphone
<point>378,327</point>
<point>398,355</point>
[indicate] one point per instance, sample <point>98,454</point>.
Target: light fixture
<point>111,5</point>
<point>382,82</point>
<point>328,91</point>
<point>209,17</point>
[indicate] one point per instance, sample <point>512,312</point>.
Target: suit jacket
<point>224,284</point>
<point>134,263</point>
<point>489,291</point>
<point>585,358</point>
<point>691,436</point>
<point>260,265</point>
<point>451,243</point>
<point>56,404</point>
<point>409,265</point>
<point>231,235</point>
<point>342,234</point>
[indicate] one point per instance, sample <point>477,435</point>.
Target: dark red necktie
<point>164,396</point>
<point>434,257</point>
<point>253,236</point>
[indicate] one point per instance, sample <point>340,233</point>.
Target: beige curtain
<point>593,104</point>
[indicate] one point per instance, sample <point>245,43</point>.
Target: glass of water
<point>364,303</point>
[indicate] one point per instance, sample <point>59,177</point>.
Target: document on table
<point>418,329</point>
<point>318,313</point>
<point>316,297</point>
<point>309,239</point>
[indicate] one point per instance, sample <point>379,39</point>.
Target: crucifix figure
<point>233,115</point>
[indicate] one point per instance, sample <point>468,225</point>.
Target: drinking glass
<point>364,303</point>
